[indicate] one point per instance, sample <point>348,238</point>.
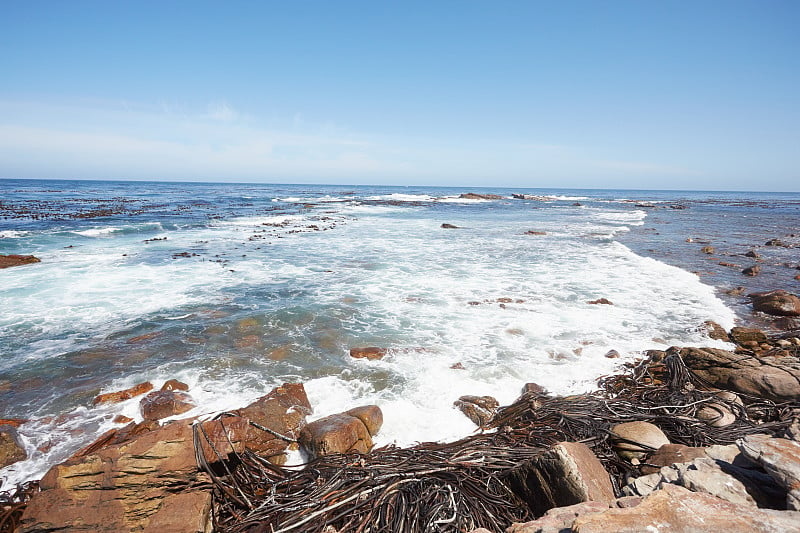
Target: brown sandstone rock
<point>479,409</point>
<point>781,459</point>
<point>634,440</point>
<point>678,510</point>
<point>558,519</point>
<point>370,415</point>
<point>165,403</point>
<point>339,433</point>
<point>603,301</point>
<point>752,270</point>
<point>745,373</point>
<point>778,303</point>
<point>119,487</point>
<point>566,474</point>
<point>707,250</point>
<point>127,394</point>
<point>740,335</point>
<point>7,261</point>
<point>188,511</point>
<point>174,384</point>
<point>714,331</point>
<point>222,437</point>
<point>669,454</point>
<point>11,448</point>
<point>369,352</point>
<point>282,411</point>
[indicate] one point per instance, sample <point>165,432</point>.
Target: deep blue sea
<point>237,288</point>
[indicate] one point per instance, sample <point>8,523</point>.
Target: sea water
<point>237,288</point>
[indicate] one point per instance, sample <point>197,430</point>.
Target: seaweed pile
<point>13,503</point>
<point>461,485</point>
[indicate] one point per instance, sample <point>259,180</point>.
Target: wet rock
<point>603,301</point>
<point>753,254</point>
<point>535,232</point>
<point>534,388</point>
<point>479,409</point>
<point>11,447</point>
<point>612,354</point>
<point>165,403</point>
<point>752,270</point>
<point>707,250</point>
<point>222,437</point>
<point>339,433</point>
<point>8,261</point>
<point>123,487</point>
<point>370,415</point>
<point>475,196</point>
<point>122,419</point>
<point>568,473</point>
<point>741,335</point>
<point>282,411</point>
<point>127,394</point>
<point>778,303</point>
<point>13,422</point>
<point>670,454</point>
<point>678,510</point>
<point>744,373</point>
<point>775,242</point>
<point>634,440</point>
<point>370,352</point>
<point>714,331</point>
<point>735,291</point>
<point>174,384</point>
<point>449,226</point>
<point>781,459</point>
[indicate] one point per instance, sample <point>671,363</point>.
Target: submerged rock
<point>369,352</point>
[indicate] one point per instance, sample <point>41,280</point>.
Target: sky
<point>694,94</point>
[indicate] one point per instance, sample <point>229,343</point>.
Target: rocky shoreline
<point>706,429</point>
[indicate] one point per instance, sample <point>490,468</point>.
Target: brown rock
<point>188,512</point>
<point>122,419</point>
<point>714,331</point>
<point>744,373</point>
<point>707,250</point>
<point>339,433</point>
<point>778,303</point>
<point>13,422</point>
<point>282,411</point>
<point>566,474</point>
<point>716,415</point>
<point>740,335</point>
<point>479,409</point>
<point>449,226</point>
<point>11,448</point>
<point>558,519</point>
<point>222,437</point>
<point>119,487</point>
<point>165,403</point>
<point>781,459</point>
<point>174,384</point>
<point>127,394</point>
<point>634,440</point>
<point>370,415</point>
<point>369,352</point>
<point>601,301</point>
<point>678,510</point>
<point>475,196</point>
<point>752,270</point>
<point>7,261</point>
<point>535,232</point>
<point>753,254</point>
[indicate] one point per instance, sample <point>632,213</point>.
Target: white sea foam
<point>12,234</point>
<point>98,232</point>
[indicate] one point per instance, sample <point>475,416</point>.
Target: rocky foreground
<point>689,439</point>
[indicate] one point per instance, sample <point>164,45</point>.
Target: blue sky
<point>609,94</point>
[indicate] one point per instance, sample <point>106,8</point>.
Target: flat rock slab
<point>781,459</point>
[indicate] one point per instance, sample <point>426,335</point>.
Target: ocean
<point>237,288</point>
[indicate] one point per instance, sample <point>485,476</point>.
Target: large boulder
<point>634,440</point>
<point>277,420</point>
<point>11,447</point>
<point>781,459</point>
<point>340,433</point>
<point>778,303</point>
<point>568,473</point>
<point>124,487</point>
<point>741,335</point>
<point>165,403</point>
<point>7,261</point>
<point>746,374</point>
<point>678,510</point>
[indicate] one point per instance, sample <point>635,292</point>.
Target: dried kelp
<point>12,505</point>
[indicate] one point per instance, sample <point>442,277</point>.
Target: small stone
<point>707,250</point>
<point>752,270</point>
<point>753,254</point>
<point>127,394</point>
<point>603,301</point>
<point>162,404</point>
<point>714,331</point>
<point>11,447</point>
<point>174,384</point>
<point>122,419</point>
<point>370,352</point>
<point>716,415</point>
<point>612,354</point>
<point>449,226</point>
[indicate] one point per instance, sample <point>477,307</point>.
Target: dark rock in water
<point>568,473</point>
<point>479,409</point>
<point>612,354</point>
<point>736,291</point>
<point>707,250</point>
<point>165,403</point>
<point>778,303</point>
<point>775,242</point>
<point>761,377</point>
<point>535,232</point>
<point>282,411</point>
<point>714,331</point>
<point>339,433</point>
<point>174,384</point>
<point>8,261</point>
<point>741,335</point>
<point>752,271</point>
<point>450,226</point>
<point>150,483</point>
<point>534,388</point>
<point>127,394</point>
<point>753,254</point>
<point>475,196</point>
<point>603,301</point>
<point>11,448</point>
<point>368,352</point>
<point>577,204</point>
